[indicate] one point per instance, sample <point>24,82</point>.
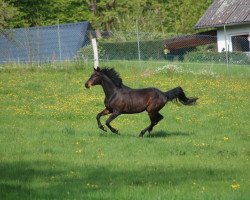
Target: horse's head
<point>95,78</point>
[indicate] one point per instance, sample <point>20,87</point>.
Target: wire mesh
<point>72,42</point>
<point>42,44</point>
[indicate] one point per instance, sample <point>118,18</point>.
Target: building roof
<point>189,41</point>
<point>225,12</point>
<point>43,43</point>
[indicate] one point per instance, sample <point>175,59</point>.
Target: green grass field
<point>51,147</point>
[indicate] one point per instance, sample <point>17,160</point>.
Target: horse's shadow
<point>163,134</point>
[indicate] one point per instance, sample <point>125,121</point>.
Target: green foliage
<point>202,56</point>
<point>8,15</point>
<point>147,15</point>
<point>175,16</point>
<point>48,12</point>
<point>129,50</point>
<point>187,13</point>
<point>86,53</point>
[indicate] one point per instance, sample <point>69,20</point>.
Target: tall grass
<point>51,147</point>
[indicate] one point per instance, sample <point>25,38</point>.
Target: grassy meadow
<point>51,147</point>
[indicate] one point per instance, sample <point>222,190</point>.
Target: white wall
<point>230,31</point>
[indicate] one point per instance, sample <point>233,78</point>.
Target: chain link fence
<point>43,44</point>
<point>72,42</point>
<point>199,48</point>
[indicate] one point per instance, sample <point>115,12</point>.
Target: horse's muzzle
<point>88,84</point>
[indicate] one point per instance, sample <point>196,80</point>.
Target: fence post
<point>38,45</point>
<point>95,51</point>
<point>59,40</point>
<point>226,46</point>
<point>138,41</point>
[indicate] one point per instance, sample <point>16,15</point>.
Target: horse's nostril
<point>86,85</point>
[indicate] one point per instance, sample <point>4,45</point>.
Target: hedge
<point>153,50</point>
<point>129,50</point>
<point>233,57</point>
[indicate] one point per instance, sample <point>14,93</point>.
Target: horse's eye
<point>94,75</point>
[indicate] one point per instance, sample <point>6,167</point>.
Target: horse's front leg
<point>111,118</point>
<point>99,115</point>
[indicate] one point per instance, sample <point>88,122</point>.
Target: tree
<point>48,12</point>
<point>7,13</point>
<point>103,13</point>
<point>158,16</point>
<point>149,14</point>
<point>189,13</point>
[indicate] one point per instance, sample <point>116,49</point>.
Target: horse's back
<point>147,92</point>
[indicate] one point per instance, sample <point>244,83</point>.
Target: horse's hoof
<point>141,135</point>
<point>115,131</point>
<point>102,128</point>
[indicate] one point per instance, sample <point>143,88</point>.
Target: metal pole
<point>38,45</point>
<point>59,41</point>
<point>138,41</point>
<point>226,46</point>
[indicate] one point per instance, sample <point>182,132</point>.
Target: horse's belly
<point>136,105</point>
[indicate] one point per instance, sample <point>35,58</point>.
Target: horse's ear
<point>97,69</point>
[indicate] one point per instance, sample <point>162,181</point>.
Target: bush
<point>86,53</point>
<point>129,50</point>
<point>233,57</point>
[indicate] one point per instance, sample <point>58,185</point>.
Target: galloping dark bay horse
<point>120,99</point>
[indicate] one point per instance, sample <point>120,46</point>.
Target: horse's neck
<point>108,87</point>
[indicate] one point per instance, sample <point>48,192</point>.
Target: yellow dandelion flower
<point>235,186</point>
<point>225,138</point>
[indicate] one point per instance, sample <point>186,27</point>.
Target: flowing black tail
<point>177,93</point>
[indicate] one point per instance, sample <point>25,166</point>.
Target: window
<point>241,43</point>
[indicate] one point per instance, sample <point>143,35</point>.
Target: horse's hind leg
<point>111,118</point>
<point>98,116</point>
<point>155,117</point>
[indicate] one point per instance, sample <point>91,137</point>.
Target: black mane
<point>113,75</point>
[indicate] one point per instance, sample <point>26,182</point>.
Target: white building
<point>231,18</point>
